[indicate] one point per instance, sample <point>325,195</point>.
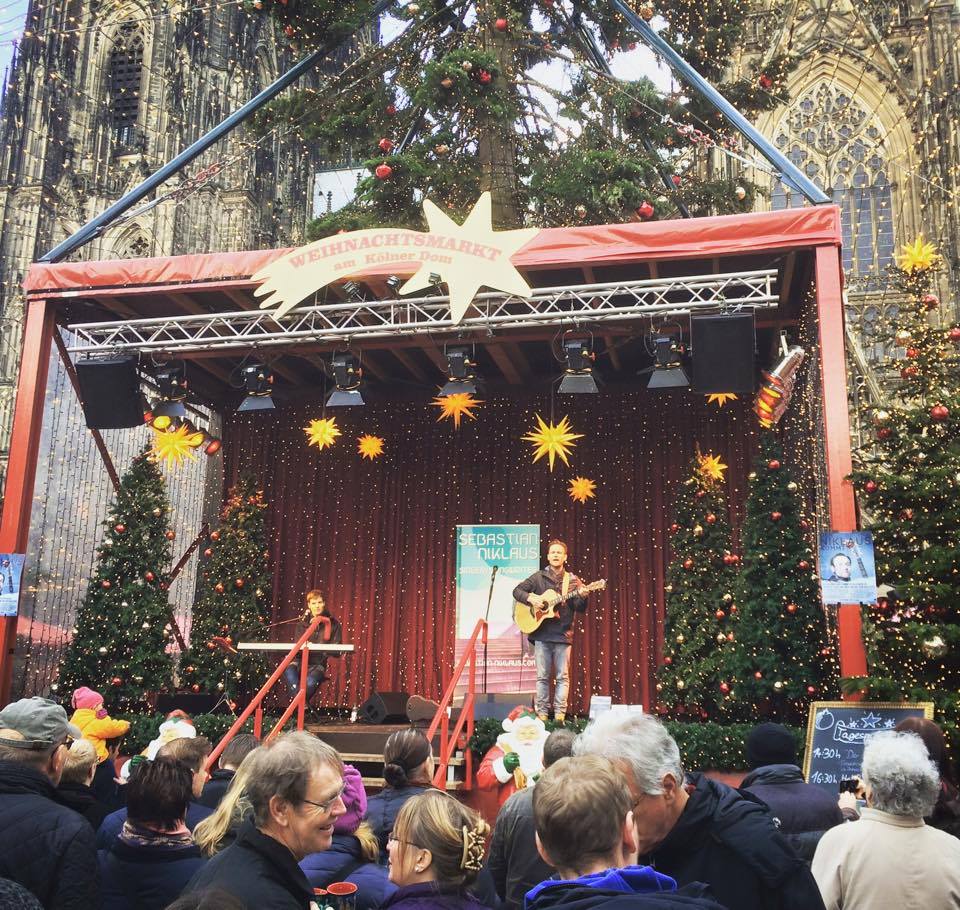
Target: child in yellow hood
<point>94,722</point>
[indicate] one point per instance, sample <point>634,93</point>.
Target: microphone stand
<point>486,619</point>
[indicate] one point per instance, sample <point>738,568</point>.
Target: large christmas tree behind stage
<point>908,476</point>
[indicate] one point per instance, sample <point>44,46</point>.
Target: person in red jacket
<point>516,761</point>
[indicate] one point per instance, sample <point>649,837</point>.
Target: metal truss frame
<point>353,321</point>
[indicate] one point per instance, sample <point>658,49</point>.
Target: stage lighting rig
<point>461,372</point>
<point>347,375</point>
<point>667,371</point>
<point>578,377</point>
<point>172,389</point>
<point>257,379</point>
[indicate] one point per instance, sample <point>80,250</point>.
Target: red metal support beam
<point>836,442</point>
<point>24,450</point>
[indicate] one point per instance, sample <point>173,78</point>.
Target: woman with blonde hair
<point>436,851</point>
<point>219,829</point>
<point>354,852</point>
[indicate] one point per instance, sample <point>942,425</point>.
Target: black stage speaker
<point>385,708</point>
<point>110,393</point>
<point>723,354</point>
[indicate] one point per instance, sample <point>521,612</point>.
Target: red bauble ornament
<point>939,413</point>
<point>210,646</point>
<point>208,552</point>
<point>758,675</point>
<point>149,576</point>
<point>908,372</point>
<point>484,78</point>
<point>805,524</point>
<point>170,534</point>
<point>116,681</point>
<point>119,528</point>
<point>214,535</point>
<point>870,486</point>
<point>811,690</point>
<point>791,608</point>
<point>711,519</point>
<point>688,563</point>
<point>906,514</point>
<point>391,109</point>
<point>383,171</point>
<point>385,145</point>
<point>825,652</point>
<point>674,528</point>
<point>195,687</point>
<point>776,516</point>
<point>700,494</point>
<point>668,661</point>
<point>773,464</point>
<point>288,31</point>
<point>954,334</point>
<point>239,582</point>
<point>218,587</point>
<point>164,586</point>
<point>733,608</point>
<point>803,565</point>
<point>677,179</point>
<point>884,433</point>
<point>645,210</point>
<point>913,353</point>
<point>500,25</point>
<point>106,584</point>
<point>765,82</point>
<point>724,687</point>
<point>931,301</point>
<point>720,614</point>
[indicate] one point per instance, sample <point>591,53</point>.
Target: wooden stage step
<point>377,783</point>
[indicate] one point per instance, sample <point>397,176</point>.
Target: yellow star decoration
<point>370,446</point>
<point>552,440</point>
<point>581,489</point>
<point>457,405</point>
<point>721,398</point>
<point>917,256</point>
<point>174,446</point>
<point>710,468</point>
<point>322,433</point>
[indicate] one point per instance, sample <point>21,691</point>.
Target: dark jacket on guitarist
<point>552,630</point>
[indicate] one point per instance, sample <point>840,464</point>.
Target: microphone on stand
<point>486,619</point>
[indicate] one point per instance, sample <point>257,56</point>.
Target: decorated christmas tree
<point>233,598</point>
<point>700,584</point>
<point>119,643</point>
<point>781,657</point>
<point>907,478</point>
<point>461,102</point>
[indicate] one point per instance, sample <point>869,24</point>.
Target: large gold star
<point>370,446</point>
<point>552,440</point>
<point>710,468</point>
<point>581,489</point>
<point>917,256</point>
<point>481,256</point>
<point>457,405</point>
<point>322,433</point>
<point>721,398</point>
<point>174,446</point>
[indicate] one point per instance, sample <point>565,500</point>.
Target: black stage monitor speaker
<point>110,393</point>
<point>385,708</point>
<point>723,354</point>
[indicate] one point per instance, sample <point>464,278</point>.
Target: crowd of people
<point>614,821</point>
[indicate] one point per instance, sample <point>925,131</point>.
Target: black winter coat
<point>552,630</point>
<point>81,798</point>
<point>112,825</point>
<point>215,788</point>
<point>803,811</point>
<point>45,846</point>
<point>146,877</point>
<point>382,812</point>
<point>259,871</point>
<point>729,841</point>
<point>514,861</point>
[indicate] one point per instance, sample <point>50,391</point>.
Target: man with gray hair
<point>295,790</point>
<point>890,858</point>
<point>695,829</point>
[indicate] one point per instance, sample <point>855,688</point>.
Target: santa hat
<point>86,698</point>
<point>521,716</point>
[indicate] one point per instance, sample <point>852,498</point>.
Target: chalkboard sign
<point>836,731</point>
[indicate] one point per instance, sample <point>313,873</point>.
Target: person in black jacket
<point>75,783</point>
<point>585,828</point>
<point>696,829</point>
<point>514,862</point>
<point>236,751</point>
<point>329,632</point>
<point>552,640</point>
<point>44,846</point>
<point>802,811</point>
<point>295,790</point>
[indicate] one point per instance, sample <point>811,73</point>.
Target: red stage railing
<point>299,703</point>
<point>450,740</point>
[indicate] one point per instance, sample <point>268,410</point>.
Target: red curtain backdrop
<point>379,537</point>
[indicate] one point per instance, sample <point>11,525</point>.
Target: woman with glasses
<point>436,850</point>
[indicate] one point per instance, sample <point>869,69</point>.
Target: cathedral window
<point>125,78</point>
<point>133,246</point>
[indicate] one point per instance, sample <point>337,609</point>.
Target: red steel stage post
<point>836,432</point>
<point>22,465</point>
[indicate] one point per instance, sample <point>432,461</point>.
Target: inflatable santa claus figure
<point>516,761</point>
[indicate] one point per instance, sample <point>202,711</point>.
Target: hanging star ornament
<point>581,489</point>
<point>552,440</point>
<point>721,398</point>
<point>322,433</point>
<point>370,446</point>
<point>174,446</point>
<point>457,405</point>
<point>917,256</point>
<point>710,468</point>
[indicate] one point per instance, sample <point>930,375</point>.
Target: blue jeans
<point>552,658</point>
<point>315,676</point>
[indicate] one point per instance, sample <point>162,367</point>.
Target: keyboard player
<point>326,633</point>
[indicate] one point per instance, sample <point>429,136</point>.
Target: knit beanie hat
<point>355,800</point>
<point>771,744</point>
<point>86,698</point>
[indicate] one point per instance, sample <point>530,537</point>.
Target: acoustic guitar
<point>529,616</point>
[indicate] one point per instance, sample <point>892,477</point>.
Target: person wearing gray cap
<point>44,846</point>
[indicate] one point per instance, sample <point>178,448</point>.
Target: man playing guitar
<point>551,641</point>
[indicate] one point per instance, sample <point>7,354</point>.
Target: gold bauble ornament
<point>792,487</point>
<point>680,639</point>
<point>697,531</point>
<point>935,647</point>
<point>881,417</point>
<point>681,684</point>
